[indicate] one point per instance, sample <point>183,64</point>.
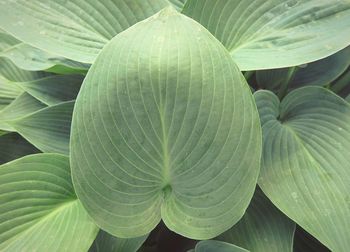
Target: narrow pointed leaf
<point>54,89</point>
<point>47,129</point>
<point>39,210</point>
<point>263,228</point>
<point>106,242</point>
<point>270,34</point>
<point>23,105</point>
<point>166,128</point>
<point>74,29</point>
<point>8,92</point>
<point>306,161</point>
<point>217,246</point>
<point>13,146</point>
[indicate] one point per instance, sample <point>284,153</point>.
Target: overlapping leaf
<point>22,106</point>
<point>38,208</point>
<point>75,29</point>
<point>318,73</point>
<point>217,246</point>
<point>270,34</point>
<point>166,128</point>
<point>306,161</point>
<point>263,228</point>
<point>47,129</point>
<point>54,89</point>
<point>105,242</point>
<point>33,59</point>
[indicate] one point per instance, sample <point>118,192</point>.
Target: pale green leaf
<point>107,243</point>
<point>13,146</point>
<point>23,105</point>
<point>306,161</point>
<point>348,98</point>
<point>266,34</point>
<point>11,72</point>
<point>75,29</point>
<point>166,128</point>
<point>33,59</point>
<point>54,89</point>
<point>39,210</point>
<point>47,129</point>
<point>217,246</point>
<point>263,228</point>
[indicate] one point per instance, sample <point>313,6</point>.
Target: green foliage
<point>128,123</point>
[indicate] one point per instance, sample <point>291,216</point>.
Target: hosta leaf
<point>105,242</point>
<point>39,210</point>
<point>263,228</point>
<point>269,34</point>
<point>74,29</point>
<point>11,72</point>
<point>166,128</point>
<point>303,241</point>
<point>348,98</point>
<point>47,129</point>
<point>54,89</point>
<point>33,59</point>
<point>23,105</point>
<point>306,162</point>
<point>8,92</point>
<point>318,73</point>
<point>217,246</point>
<point>13,146</point>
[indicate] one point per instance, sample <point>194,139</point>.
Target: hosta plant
<point>174,125</point>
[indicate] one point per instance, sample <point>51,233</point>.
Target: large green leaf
<point>38,208</point>
<point>54,89</point>
<point>263,228</point>
<point>318,73</point>
<point>166,128</point>
<point>265,34</point>
<point>47,129</point>
<point>306,161</point>
<point>178,4</point>
<point>75,29</point>
<point>33,59</point>
<point>23,105</point>
<point>13,146</point>
<point>107,243</point>
<point>217,246</point>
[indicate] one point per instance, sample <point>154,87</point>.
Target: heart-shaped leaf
<point>306,162</point>
<point>75,29</point>
<point>166,128</point>
<point>38,208</point>
<point>266,34</point>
